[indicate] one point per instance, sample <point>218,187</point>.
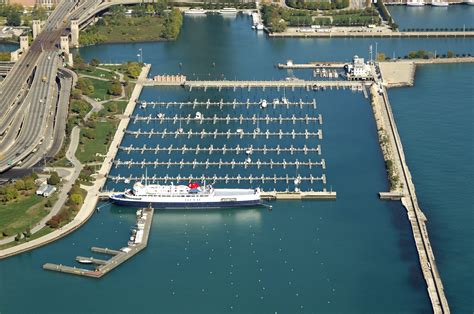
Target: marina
<point>234,248</point>
<point>118,257</point>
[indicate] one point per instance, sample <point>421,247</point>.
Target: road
<point>28,95</point>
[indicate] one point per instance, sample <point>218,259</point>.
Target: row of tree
<point>12,191</point>
<point>318,5</point>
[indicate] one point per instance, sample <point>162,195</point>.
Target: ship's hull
<point>120,200</point>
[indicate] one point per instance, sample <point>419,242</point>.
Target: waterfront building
<point>358,69</point>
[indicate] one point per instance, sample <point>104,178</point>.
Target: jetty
<point>278,84</point>
<point>221,149</point>
<point>118,257</point>
<point>144,105</point>
<point>405,191</point>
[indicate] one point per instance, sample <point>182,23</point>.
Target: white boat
<point>184,196</point>
<point>276,101</point>
<point>439,3</point>
<point>260,27</point>
<point>469,2</point>
<point>263,103</point>
<point>199,116</point>
<point>415,3</point>
<point>228,11</point>
<point>84,261</point>
<point>284,100</point>
<point>195,12</point>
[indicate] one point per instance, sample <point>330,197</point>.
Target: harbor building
<point>358,69</point>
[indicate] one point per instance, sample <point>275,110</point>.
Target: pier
<point>223,149</point>
<point>118,257</point>
<point>278,84</point>
<point>267,134</point>
<point>224,104</point>
<point>406,193</point>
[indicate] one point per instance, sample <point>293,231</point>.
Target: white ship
<point>469,2</point>
<point>186,196</point>
<point>415,3</point>
<point>195,12</point>
<point>439,3</point>
<point>228,11</point>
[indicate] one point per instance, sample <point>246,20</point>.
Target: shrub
<point>54,179</point>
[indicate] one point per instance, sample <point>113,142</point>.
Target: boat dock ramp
<point>139,242</point>
<point>222,149</point>
<point>284,164</point>
<point>221,104</point>
<point>202,134</point>
<point>161,118</point>
<point>278,84</point>
<point>251,179</point>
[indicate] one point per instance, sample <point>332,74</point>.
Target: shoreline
<point>92,198</point>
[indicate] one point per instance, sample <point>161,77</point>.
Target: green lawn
<point>87,151</point>
<point>16,216</point>
<point>121,105</point>
<point>43,231</point>
<point>100,89</point>
<point>98,73</point>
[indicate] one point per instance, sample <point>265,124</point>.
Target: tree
<point>94,62</point>
<point>76,93</point>
<point>85,85</point>
<point>76,199</point>
<point>49,203</point>
<point>29,183</point>
<point>14,18</point>
<point>115,88</point>
<point>20,185</point>
<point>10,193</point>
<point>381,56</point>
<point>54,179</point>
<point>450,54</point>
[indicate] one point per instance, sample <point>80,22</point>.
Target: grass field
<point>43,231</point>
<point>25,212</point>
<point>87,151</point>
<point>98,73</point>
<point>100,89</point>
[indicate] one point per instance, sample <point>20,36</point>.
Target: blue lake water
<point>453,16</point>
<point>355,254</point>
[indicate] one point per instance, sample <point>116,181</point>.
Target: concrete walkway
<point>92,197</point>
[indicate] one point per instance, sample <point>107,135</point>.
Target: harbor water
<point>451,17</point>
<point>352,255</point>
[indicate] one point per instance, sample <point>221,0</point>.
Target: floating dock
<point>118,257</point>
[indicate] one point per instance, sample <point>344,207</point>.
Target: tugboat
<point>186,196</point>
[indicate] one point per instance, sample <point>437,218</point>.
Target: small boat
<point>84,261</point>
<point>249,151</point>
<point>248,160</point>
<point>415,3</point>
<point>276,101</point>
<point>160,115</point>
<point>199,116</point>
<point>240,131</point>
<point>143,105</point>
<point>195,12</point>
<point>284,100</point>
<point>127,181</point>
<point>260,27</point>
<point>439,3</point>
<point>125,249</point>
<point>228,11</point>
<point>263,103</point>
